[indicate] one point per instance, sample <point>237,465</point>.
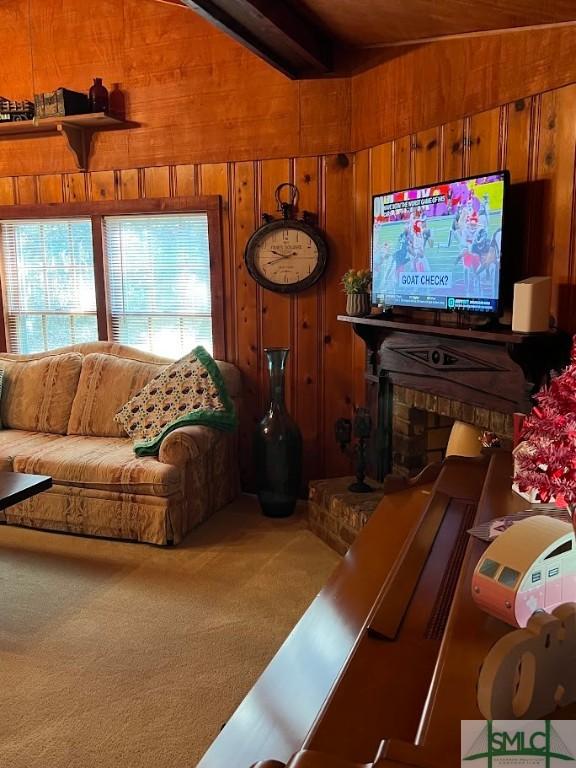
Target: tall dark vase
<point>277,447</point>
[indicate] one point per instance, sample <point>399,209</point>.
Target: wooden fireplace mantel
<point>493,368</point>
<point>500,335</point>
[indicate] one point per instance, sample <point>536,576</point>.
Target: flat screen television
<point>438,247</point>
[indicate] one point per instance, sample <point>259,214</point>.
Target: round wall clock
<point>286,255</point>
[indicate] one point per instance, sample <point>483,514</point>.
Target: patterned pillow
<point>190,391</point>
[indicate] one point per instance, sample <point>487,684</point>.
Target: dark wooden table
<point>17,486</point>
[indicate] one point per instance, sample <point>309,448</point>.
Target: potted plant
<point>356,283</point>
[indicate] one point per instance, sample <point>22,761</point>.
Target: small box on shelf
<point>60,103</point>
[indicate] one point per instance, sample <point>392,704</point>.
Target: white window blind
<point>48,275</point>
<point>158,275</point>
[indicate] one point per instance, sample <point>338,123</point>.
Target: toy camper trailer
<point>529,567</point>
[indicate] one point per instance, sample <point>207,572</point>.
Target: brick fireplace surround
<point>419,379</point>
<point>421,425</point>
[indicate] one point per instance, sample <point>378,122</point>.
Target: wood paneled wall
<point>210,112</point>
<point>319,371</point>
<point>422,86</point>
<point>200,97</point>
<point>535,138</point>
<point>197,95</point>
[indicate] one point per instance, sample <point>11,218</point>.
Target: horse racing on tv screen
<point>438,247</point>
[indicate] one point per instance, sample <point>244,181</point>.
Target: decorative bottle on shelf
<point>98,96</point>
<point>277,447</point>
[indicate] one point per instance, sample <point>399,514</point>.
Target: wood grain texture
<point>431,84</point>
<point>369,22</point>
<point>555,170</point>
<point>50,188</point>
<point>7,196</point>
<point>308,324</point>
<point>337,347</point>
<point>452,150</point>
<point>533,135</point>
<point>200,97</point>
<point>130,184</point>
<point>362,210</point>
<point>427,156</point>
<point>248,352</point>
<point>484,142</point>
<point>197,95</point>
<point>26,189</point>
<point>74,188</point>
<point>402,163</point>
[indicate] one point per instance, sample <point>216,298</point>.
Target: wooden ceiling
<point>368,23</point>
<point>310,38</point>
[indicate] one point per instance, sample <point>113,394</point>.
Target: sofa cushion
<point>190,391</point>
<point>37,394</point>
<point>103,463</point>
<point>105,384</point>
<point>14,442</point>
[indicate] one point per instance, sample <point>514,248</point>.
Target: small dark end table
<point>17,486</point>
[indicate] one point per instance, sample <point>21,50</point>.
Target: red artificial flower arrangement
<point>545,460</point>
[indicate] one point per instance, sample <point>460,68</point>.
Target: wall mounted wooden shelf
<point>77,130</point>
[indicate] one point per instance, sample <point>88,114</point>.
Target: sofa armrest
<point>186,444</point>
<point>207,460</point>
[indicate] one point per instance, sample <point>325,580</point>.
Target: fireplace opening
<point>421,425</point>
<point>419,438</point>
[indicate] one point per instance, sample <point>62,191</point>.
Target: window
<point>147,273</point>
<point>158,275</point>
<point>536,576</point>
<point>566,547</point>
<point>508,577</point>
<point>489,568</point>
<point>48,272</point>
<point>553,572</point>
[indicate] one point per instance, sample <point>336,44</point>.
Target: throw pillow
<point>190,391</point>
<point>38,390</point>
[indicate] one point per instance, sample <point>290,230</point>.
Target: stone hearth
<point>336,515</point>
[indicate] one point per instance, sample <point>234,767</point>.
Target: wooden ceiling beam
<point>274,31</point>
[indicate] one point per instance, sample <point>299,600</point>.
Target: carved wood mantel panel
<point>495,369</point>
<point>479,374</point>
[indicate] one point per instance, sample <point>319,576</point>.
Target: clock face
<point>286,256</point>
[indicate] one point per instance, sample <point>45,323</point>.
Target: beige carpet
<point>116,654</point>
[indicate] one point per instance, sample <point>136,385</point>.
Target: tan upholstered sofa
<point>57,412</point>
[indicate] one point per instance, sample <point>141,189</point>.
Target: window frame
<point>211,205</point>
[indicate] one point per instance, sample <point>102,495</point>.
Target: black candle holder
<point>360,428</point>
